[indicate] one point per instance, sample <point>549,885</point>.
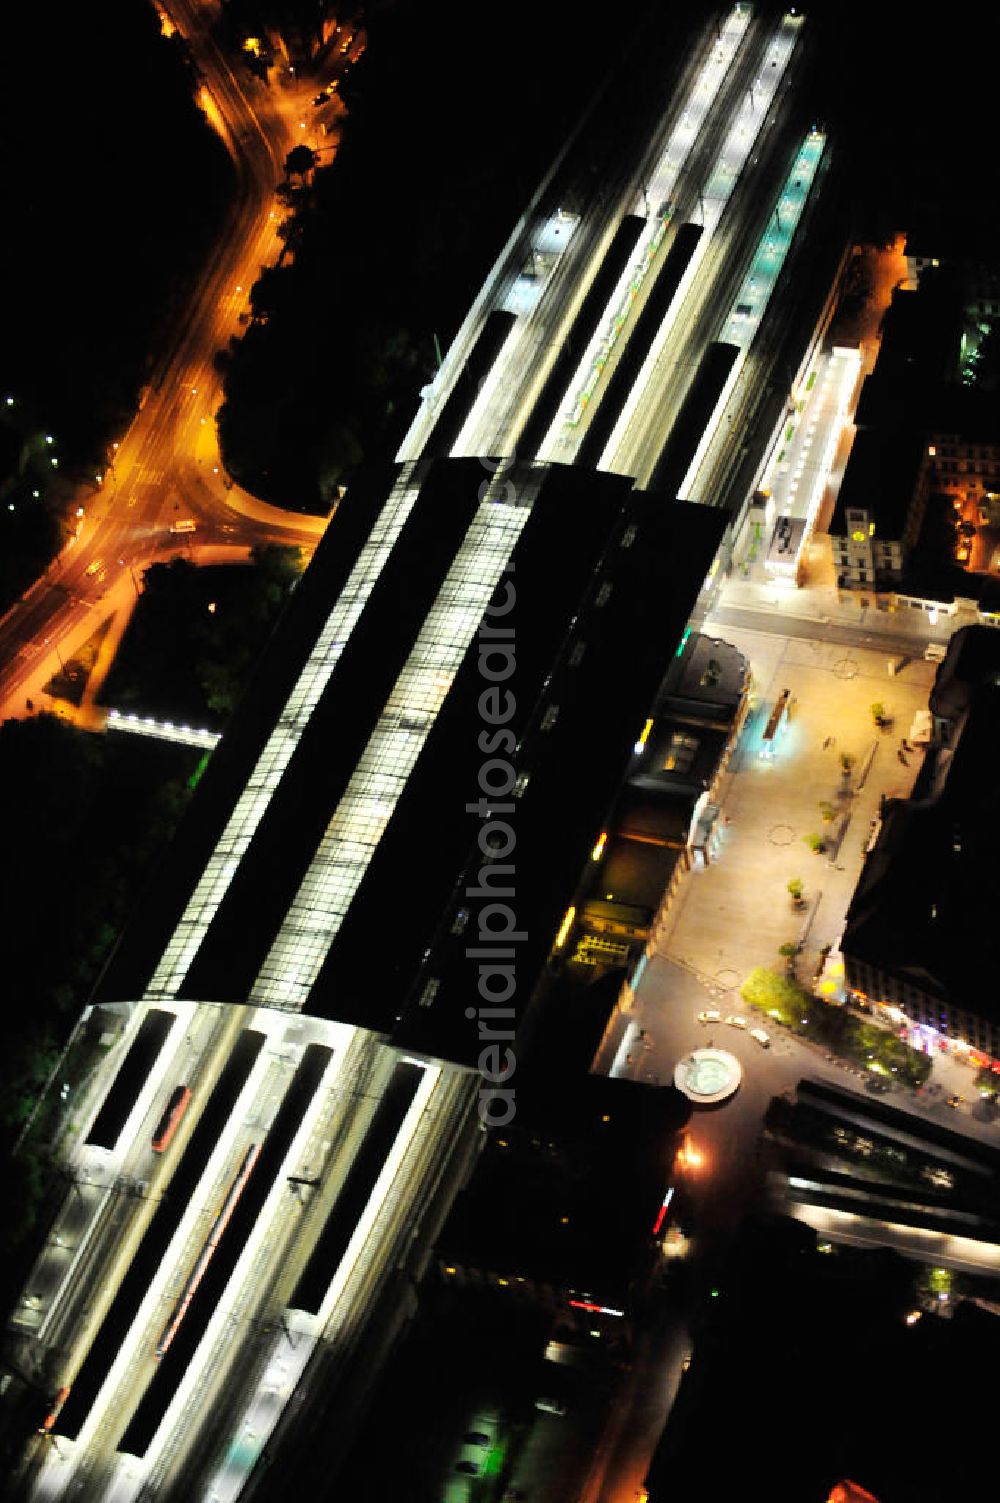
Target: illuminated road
<point>165,467</point>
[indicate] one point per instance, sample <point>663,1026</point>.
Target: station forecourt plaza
<point>733,915</point>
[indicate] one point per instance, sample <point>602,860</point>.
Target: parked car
<point>710,1015</point>
<point>956,1101</point>
<point>551,1406</point>
<point>736,1020</point>
<point>761,1037</point>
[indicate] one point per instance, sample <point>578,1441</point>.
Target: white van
<point>935,652</point>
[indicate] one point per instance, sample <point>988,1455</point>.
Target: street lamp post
<point>59,656</point>
<point>135,583</point>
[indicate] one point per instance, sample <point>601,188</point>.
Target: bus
<point>172,1114</point>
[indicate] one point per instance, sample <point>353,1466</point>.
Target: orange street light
<point>689,1157</point>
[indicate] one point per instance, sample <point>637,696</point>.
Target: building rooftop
<point>650,809</point>
<point>919,350</point>
<point>633,873</point>
<point>592,635</point>
<point>921,329</point>
<point>959,240</point>
<point>881,476</point>
<point>680,756</point>
<point>925,904</point>
<point>966,413</point>
<point>707,676</point>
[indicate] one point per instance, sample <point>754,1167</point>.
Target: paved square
<point>735,914</point>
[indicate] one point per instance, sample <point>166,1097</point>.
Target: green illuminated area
<point>196,776</point>
<point>752,299</point>
<point>493,1465</point>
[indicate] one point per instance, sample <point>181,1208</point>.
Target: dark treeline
<point>196,635</point>
<point>113,187</point>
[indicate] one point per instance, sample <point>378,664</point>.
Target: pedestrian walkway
<point>819,603</point>
<point>734,914</point>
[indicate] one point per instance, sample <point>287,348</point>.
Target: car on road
<point>97,567</point>
<point>710,1015</point>
<point>550,1406</point>
<point>736,1020</point>
<point>761,1037</point>
<point>476,1438</point>
<point>956,1101</point>
<point>187,525</point>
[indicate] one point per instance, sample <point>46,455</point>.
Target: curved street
<point>165,467</point>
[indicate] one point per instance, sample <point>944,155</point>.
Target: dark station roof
<point>599,609</point>
<point>160,906</point>
<point>601,683</point>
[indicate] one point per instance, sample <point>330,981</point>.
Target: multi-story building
<point>921,941</point>
<point>921,434</point>
<point>666,821</point>
<point>963,447</point>
<point>879,508</point>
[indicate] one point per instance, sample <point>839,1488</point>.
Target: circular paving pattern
<point>846,667</point>
<point>707,1075</point>
<point>781,834</point>
<point>727,978</point>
